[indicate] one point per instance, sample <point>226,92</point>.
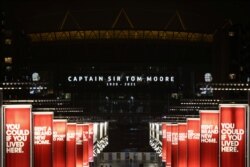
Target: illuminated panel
<point>79,146</point>
<point>85,136</point>
<point>1,128</point>
<point>174,149</point>
<point>182,145</point>
<point>169,144</point>
<point>193,142</point>
<point>71,145</point>
<point>90,140</point>
<point>153,131</point>
<point>101,126</point>
<point>17,135</point>
<point>96,129</point>
<point>59,143</point>
<point>157,131</point>
<point>164,141</point>
<point>105,129</point>
<point>233,147</point>
<point>43,128</point>
<point>209,122</point>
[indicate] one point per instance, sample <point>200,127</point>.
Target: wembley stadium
<point>131,64</point>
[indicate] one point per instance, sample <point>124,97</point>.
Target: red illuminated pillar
<point>59,143</point>
<point>17,135</point>
<point>85,134</point>
<point>174,149</point>
<point>182,145</point>
<point>193,142</point>
<point>1,127</point>
<point>43,138</point>
<point>79,145</point>
<point>209,122</point>
<point>90,148</point>
<point>164,141</point>
<point>71,145</point>
<point>233,142</point>
<point>169,144</point>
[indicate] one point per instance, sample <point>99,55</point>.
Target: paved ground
<point>127,164</point>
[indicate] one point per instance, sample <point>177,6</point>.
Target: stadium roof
<point>193,16</point>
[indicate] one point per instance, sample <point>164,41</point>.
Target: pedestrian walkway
<point>127,164</point>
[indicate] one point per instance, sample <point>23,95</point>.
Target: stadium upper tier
<point>120,34</point>
<point>160,20</point>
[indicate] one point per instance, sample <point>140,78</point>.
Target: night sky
<point>197,16</point>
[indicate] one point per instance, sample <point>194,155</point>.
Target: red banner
<point>209,124</point>
<point>182,145</point>
<point>91,142</point>
<point>59,143</point>
<point>1,127</point>
<point>164,141</point>
<point>79,146</point>
<point>71,145</point>
<point>174,149</point>
<point>43,123</point>
<point>85,134</point>
<point>18,135</point>
<point>169,144</point>
<point>233,135</point>
<point>193,142</point>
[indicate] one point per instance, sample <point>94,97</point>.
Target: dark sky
<point>198,16</point>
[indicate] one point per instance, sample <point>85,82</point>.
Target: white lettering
<point>174,138</point>
<point>207,132</point>
<point>172,79</point>
<point>230,137</point>
<point>116,80</point>
<point>193,135</point>
<point>182,136</point>
<point>15,138</point>
<point>41,135</point>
